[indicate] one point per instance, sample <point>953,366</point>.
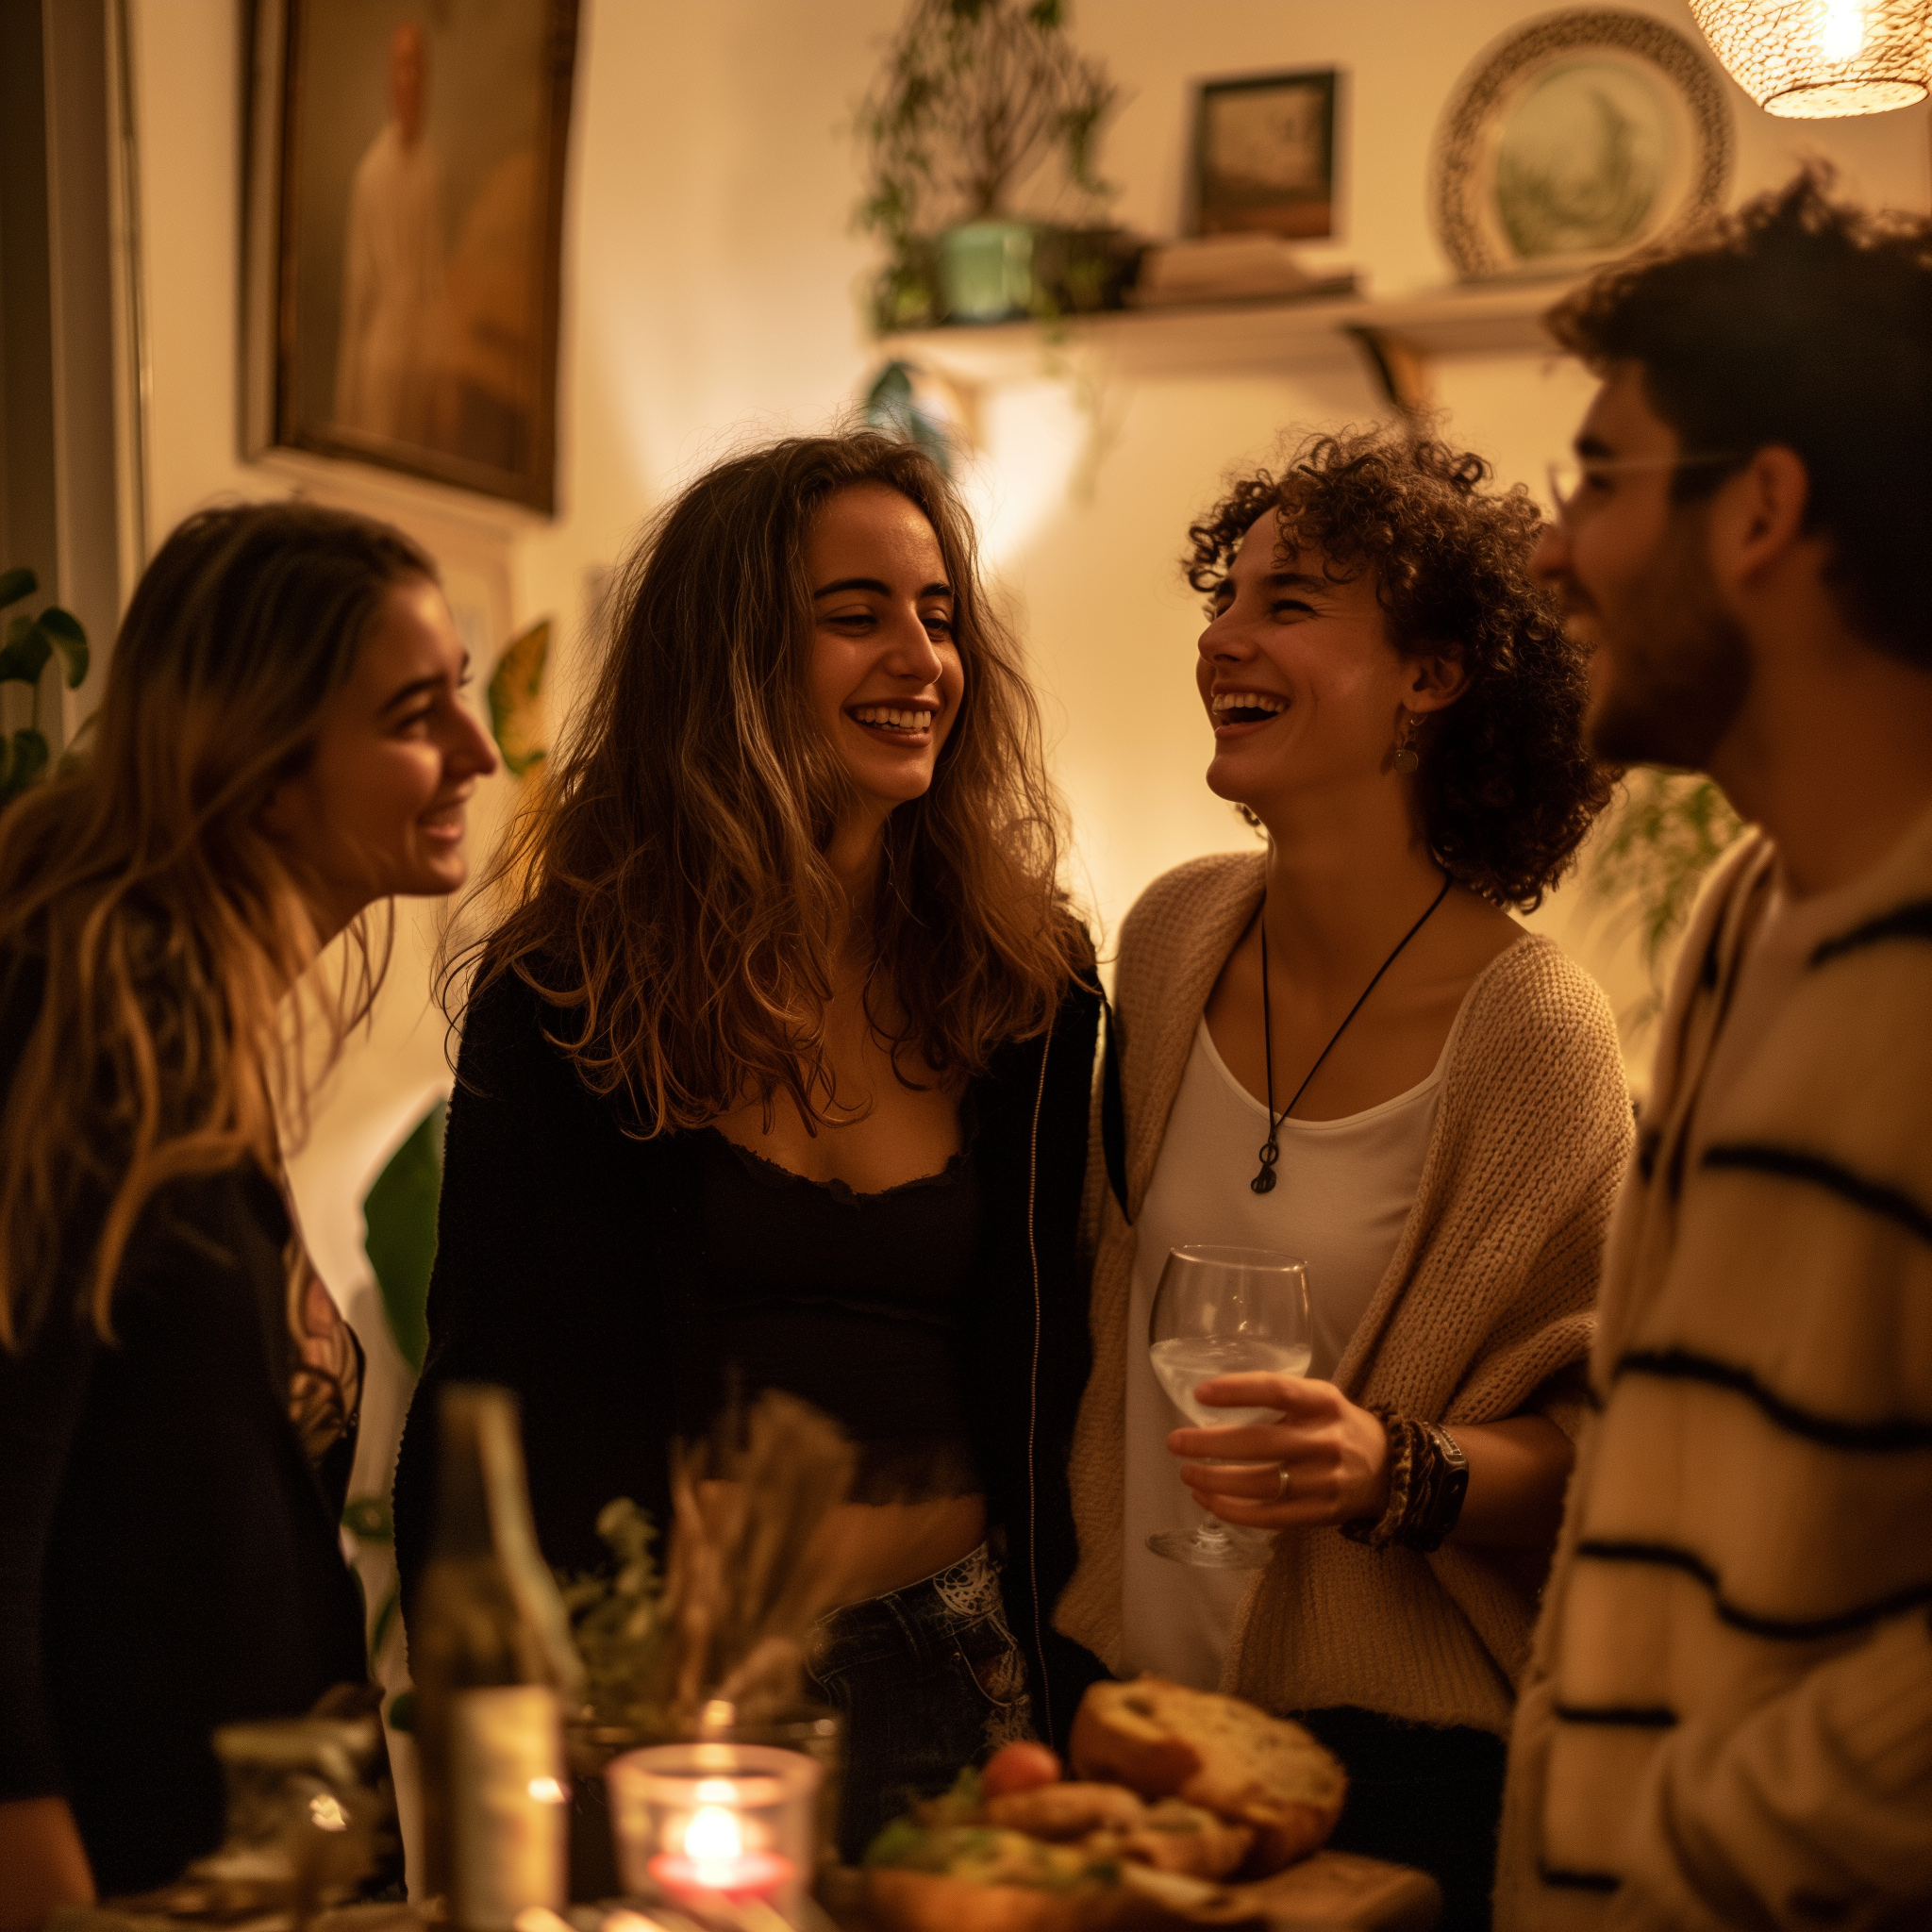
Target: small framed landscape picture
<point>1264,156</point>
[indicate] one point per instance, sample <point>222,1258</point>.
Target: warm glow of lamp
<point>1818,60</point>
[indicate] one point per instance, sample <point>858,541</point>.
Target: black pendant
<point>1264,1181</point>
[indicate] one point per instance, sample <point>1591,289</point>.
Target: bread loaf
<point>1063,1811</point>
<point>1164,1739</point>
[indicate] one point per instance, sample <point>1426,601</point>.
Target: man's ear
<point>1434,682</point>
<point>1758,517</point>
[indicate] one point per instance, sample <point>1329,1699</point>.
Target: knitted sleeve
<point>1813,1808</point>
<point>1542,1142</point>
<point>1498,1314</point>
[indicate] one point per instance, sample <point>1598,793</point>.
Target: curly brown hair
<point>1803,321</point>
<point>668,891</point>
<point>1507,786</point>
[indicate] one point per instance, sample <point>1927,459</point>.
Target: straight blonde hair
<point>148,922</point>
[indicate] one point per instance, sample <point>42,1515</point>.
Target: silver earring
<point>1406,757</point>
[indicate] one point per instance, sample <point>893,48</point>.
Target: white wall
<point>711,293</point>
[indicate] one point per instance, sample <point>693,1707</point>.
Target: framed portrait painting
<point>1264,156</point>
<point>405,205</point>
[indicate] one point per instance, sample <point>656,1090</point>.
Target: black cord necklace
<point>1264,1181</point>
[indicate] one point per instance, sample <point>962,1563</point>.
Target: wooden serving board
<point>1337,1888</point>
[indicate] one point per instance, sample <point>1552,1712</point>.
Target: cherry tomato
<point>1018,1768</point>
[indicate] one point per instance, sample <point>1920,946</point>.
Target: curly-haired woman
<point>777,1076</point>
<point>1346,1049</point>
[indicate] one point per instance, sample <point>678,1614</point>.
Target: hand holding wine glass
<point>1231,1314</point>
<point>1287,1453</point>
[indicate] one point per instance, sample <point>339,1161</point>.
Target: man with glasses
<point>1727,1718</point>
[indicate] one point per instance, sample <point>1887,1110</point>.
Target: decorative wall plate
<point>1574,138</point>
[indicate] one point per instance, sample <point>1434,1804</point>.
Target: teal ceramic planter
<point>986,270</point>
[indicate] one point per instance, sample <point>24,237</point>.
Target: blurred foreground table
<point>1335,1890</point>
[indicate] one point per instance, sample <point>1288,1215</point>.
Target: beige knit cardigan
<point>1727,1720</point>
<point>1485,1311</point>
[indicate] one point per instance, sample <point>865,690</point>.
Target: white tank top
<point>1344,1190</point>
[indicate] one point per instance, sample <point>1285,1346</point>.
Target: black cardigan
<point>570,1268</point>
<point>168,1559</point>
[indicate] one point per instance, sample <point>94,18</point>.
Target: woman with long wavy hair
<point>279,744</point>
<point>774,1075</point>
<point>1344,1048</point>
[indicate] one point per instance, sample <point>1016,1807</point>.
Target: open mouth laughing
<point>1246,707</point>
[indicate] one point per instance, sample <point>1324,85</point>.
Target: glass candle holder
<point>716,1824</point>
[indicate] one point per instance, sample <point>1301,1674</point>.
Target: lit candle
<point>713,1854</point>
<point>731,1824</point>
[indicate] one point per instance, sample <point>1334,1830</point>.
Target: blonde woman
<point>280,744</point>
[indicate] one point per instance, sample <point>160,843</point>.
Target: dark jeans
<point>1423,1796</point>
<point>928,1679</point>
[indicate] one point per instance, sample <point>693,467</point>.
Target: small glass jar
<point>717,1823</point>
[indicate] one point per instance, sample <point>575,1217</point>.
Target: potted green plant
<point>31,643</point>
<point>1651,857</point>
<point>974,101</point>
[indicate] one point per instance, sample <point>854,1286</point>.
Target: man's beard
<point>1681,669</point>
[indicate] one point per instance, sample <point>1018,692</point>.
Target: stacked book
<point>1229,267</point>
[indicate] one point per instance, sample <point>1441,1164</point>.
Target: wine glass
<point>1225,1311</point>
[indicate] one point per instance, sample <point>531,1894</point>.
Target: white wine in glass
<point>1225,1312</point>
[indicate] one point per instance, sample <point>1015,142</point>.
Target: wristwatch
<point>1446,1491</point>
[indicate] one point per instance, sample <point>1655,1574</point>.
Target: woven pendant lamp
<point>1817,60</point>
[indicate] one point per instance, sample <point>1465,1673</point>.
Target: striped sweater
<point>1727,1720</point>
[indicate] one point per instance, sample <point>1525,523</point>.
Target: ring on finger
<point>1281,1481</point>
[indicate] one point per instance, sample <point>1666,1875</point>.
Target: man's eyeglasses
<point>1570,477</point>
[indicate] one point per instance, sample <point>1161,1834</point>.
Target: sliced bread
<point>1163,1739</point>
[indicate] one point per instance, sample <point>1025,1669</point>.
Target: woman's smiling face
<point>885,674</point>
<point>379,805</point>
<point>1299,679</point>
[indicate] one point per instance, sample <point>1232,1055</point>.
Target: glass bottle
<point>494,1670</point>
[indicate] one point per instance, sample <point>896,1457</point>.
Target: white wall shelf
<point>1244,336</point>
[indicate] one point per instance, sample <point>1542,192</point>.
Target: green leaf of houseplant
<point>399,1217</point>
<point>16,584</point>
<point>28,761</point>
<point>24,654</point>
<point>62,629</point>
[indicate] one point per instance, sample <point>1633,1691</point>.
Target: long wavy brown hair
<point>669,895</point>
<point>162,925</point>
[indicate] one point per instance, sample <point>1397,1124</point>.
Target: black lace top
<point>855,1302</point>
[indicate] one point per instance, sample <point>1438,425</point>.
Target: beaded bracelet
<point>1428,1478</point>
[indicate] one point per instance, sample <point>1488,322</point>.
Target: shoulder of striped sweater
<point>1180,899</point>
<point>1893,902</point>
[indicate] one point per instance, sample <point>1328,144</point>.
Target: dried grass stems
<point>750,1570</point>
<point>747,1575</point>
